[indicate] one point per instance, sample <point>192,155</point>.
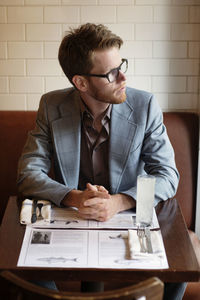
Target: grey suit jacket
<point>138,143</point>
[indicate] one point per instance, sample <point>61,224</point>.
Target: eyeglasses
<point>113,74</point>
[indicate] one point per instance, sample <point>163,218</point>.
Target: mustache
<point>121,87</point>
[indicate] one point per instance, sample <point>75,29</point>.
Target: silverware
<point>40,205</point>
<point>148,240</point>
<point>141,235</point>
<point>34,215</point>
<point>144,236</point>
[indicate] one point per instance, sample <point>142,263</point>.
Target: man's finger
<point>99,188</point>
<point>97,200</point>
<point>91,187</point>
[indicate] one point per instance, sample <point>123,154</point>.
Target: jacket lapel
<point>122,134</point>
<point>67,136</point>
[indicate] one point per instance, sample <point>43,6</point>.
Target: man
<point>100,134</point>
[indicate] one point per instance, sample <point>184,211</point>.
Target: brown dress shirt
<point>94,167</point>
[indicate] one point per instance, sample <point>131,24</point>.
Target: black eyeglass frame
<point>107,74</point>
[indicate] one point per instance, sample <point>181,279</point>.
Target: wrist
<point>71,198</point>
<point>123,202</point>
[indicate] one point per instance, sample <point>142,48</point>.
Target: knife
<point>34,215</point>
<point>148,240</point>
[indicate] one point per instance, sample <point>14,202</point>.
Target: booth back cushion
<point>14,127</point>
<point>182,130</point>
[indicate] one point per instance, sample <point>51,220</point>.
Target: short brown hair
<point>75,52</point>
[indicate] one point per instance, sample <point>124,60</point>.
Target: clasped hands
<point>96,203</point>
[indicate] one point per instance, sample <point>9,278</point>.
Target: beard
<point>111,96</point>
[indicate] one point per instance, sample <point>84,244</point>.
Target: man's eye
<point>114,73</point>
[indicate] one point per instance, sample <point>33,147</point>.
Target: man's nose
<point>121,76</point>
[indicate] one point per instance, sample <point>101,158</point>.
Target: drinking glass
<point>145,199</point>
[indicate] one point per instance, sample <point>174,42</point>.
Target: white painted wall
<point>161,41</point>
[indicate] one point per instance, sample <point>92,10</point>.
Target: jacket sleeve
<point>157,155</point>
<point>35,163</point>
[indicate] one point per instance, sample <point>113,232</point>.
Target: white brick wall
<point>98,14</point>
<point>25,50</point>
<point>161,42</point>
<point>61,14</point>
<point>43,32</point>
<point>12,32</point>
<point>25,15</point>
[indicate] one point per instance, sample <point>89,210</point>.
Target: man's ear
<point>80,82</point>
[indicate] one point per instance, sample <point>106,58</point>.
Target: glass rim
<point>146,176</point>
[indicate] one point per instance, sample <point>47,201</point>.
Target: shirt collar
<point>85,111</point>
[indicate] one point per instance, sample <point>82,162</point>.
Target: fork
<point>141,235</point>
<point>34,215</point>
<point>40,205</point>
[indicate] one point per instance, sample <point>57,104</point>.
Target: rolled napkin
<point>134,244</point>
<point>45,210</point>
<point>27,210</point>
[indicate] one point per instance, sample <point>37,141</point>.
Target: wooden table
<point>183,265</point>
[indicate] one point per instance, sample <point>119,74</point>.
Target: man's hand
<point>96,203</point>
<point>107,208</point>
<point>88,201</point>
<point>101,208</point>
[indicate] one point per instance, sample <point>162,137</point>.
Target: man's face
<point>100,88</point>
